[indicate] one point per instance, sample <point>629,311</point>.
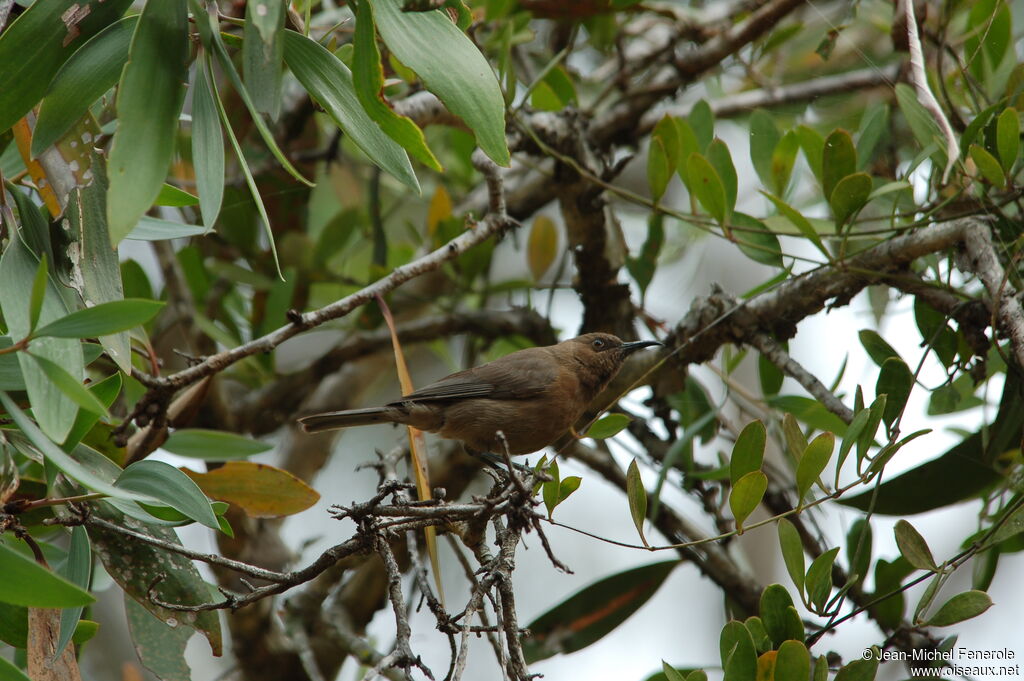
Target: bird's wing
<point>515,376</point>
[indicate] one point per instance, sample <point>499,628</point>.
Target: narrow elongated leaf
<point>213,445</point>
<point>149,101</point>
<point>329,82</point>
<point>719,157</point>
<point>39,41</point>
<point>170,487</point>
<point>756,241</point>
<point>659,171</point>
<point>155,229</point>
<point>263,52</point>
<point>594,611</point>
<point>1008,138</point>
<point>451,67</point>
<point>35,298</point>
<point>636,493</point>
<point>70,386</point>
<point>9,672</point>
<point>818,580</point>
<point>368,77</point>
<point>260,490</point>
<point>783,159</point>
<point>54,411</point>
<point>987,165</point>
<point>172,196</point>
<point>207,149</point>
<point>792,552</point>
<point>813,462</point>
<point>801,223</point>
<point>97,259</point>
<point>84,78</point>
<point>102,319</point>
<point>77,569</point>
<point>764,136</point>
<point>59,458</point>
<point>895,381</point>
<point>29,584</point>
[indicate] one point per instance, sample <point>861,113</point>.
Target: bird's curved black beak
<point>629,348</point>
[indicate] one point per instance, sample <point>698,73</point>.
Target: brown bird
<point>532,396</point>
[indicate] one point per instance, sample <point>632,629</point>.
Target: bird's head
<point>604,352</point>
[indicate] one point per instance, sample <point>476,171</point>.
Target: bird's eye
<point>597,343</point>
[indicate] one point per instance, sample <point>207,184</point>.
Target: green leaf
<point>961,607</point>
<point>756,241</point>
<point>802,224</point>
<point>818,580</point>
<point>895,381</point>
<point>813,462</point>
<point>849,196</point>
<point>35,298</point>
<point>764,138</point>
<point>776,610</point>
<point>29,584</point>
<point>70,386</point>
<point>719,157</point>
<point>793,661</point>
<point>858,670</point>
<point>106,391</point>
<point>921,123</point>
<point>160,647</point>
<point>988,166</point>
<point>792,552</point>
<point>813,146</point>
<point>59,458</point>
<point>213,445</point>
<point>608,426</point>
<point>147,573</point>
<point>746,495</point>
<point>748,452</point>
<point>103,319</point>
<point>659,171</point>
<point>596,610</point>
<point>368,77</point>
<point>77,569</point>
<point>52,409</point>
<point>207,150</point>
<point>451,67</point>
<point>39,41</point>
<point>1008,138</point>
<point>149,100</point>
<point>739,657</point>
<point>172,196</point>
<point>838,160</point>
<point>329,82</point>
<point>9,672</point>
<point>636,493</point>
<point>170,487</point>
<point>155,229</point>
<point>913,546</point>
<point>707,186</point>
<point>668,131</point>
<point>263,53</point>
<point>84,78</point>
<point>878,348</point>
<point>783,159</point>
<point>702,122</point>
<point>874,128</point>
<point>858,548</point>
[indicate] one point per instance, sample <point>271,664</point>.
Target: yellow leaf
<point>440,209</point>
<point>260,490</point>
<point>541,246</point>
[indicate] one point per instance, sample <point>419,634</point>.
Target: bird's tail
<point>344,419</point>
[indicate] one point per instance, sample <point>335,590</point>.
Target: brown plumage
<point>533,396</point>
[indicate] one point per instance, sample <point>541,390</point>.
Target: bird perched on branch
<point>532,396</point>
